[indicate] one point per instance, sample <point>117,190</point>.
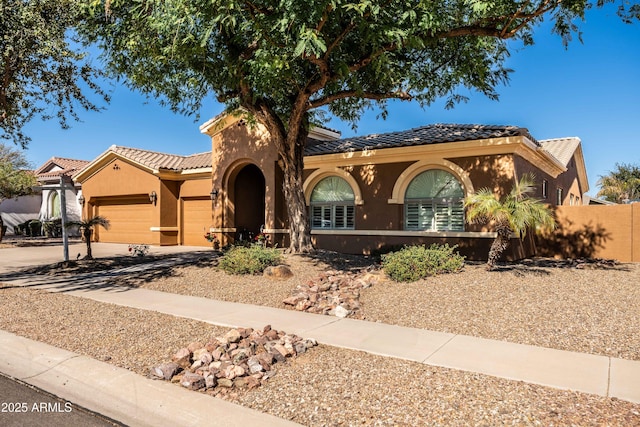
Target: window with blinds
<point>434,201</point>
<point>332,204</point>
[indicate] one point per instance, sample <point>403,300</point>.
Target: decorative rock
<point>165,371</point>
<point>341,312</point>
<point>278,272</point>
<point>224,382</point>
<point>192,381</point>
<point>206,358</point>
<point>240,382</point>
<point>254,365</point>
<point>210,381</point>
<point>233,336</point>
<point>252,382</point>
<point>194,346</point>
<point>243,358</point>
<point>182,358</point>
<point>331,290</point>
<point>300,347</point>
<point>197,354</point>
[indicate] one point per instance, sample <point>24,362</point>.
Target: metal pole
<point>63,212</point>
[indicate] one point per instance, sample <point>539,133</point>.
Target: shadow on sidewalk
<point>117,274</point>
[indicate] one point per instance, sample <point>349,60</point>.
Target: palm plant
<point>87,226</point>
<point>620,185</point>
<point>515,213</point>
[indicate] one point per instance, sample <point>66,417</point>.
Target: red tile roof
<point>59,166</point>
<point>156,160</point>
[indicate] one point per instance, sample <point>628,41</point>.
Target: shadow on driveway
<point>116,274</point>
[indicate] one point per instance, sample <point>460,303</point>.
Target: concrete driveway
<point>50,252</point>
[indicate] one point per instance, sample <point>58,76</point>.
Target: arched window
<point>434,201</point>
<point>55,205</point>
<point>332,204</point>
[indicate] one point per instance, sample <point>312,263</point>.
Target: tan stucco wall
<point>611,232</point>
<point>232,149</point>
<point>119,178</point>
<point>128,180</point>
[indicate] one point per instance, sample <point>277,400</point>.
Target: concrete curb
<point>118,393</point>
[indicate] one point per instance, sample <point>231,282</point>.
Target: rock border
<point>241,359</point>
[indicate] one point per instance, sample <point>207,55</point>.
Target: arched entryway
<point>249,195</point>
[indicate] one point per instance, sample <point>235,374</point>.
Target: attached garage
<point>196,221</point>
<point>131,220</point>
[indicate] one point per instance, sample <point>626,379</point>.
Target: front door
<point>249,193</point>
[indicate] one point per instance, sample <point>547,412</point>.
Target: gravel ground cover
<point>546,303</point>
<point>324,387</point>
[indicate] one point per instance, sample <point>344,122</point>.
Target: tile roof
<point>62,166</point>
<point>430,134</point>
<point>561,148</point>
<point>156,160</point>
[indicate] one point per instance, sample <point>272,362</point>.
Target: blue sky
<point>590,90</point>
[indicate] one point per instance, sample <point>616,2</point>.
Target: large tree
<point>16,178</point>
<point>621,184</point>
<point>43,70</point>
<point>286,62</point>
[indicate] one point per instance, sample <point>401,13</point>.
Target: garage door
<point>130,221</point>
<point>196,221</point>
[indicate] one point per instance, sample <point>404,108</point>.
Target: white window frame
<point>434,214</point>
<point>332,215</point>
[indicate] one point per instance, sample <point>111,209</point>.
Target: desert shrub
<point>251,259</point>
<point>417,262</point>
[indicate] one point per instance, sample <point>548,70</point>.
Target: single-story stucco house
<point>363,193</point>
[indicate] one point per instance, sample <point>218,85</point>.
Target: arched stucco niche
<point>405,178</point>
<point>245,186</point>
<point>318,175</point>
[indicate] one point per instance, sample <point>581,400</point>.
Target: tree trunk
<point>499,245</point>
<point>87,239</point>
<point>292,156</point>
<point>290,144</point>
<point>299,233</point>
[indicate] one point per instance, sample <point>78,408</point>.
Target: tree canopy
<point>16,178</point>
<point>42,74</point>
<point>288,62</point>
<point>621,184</point>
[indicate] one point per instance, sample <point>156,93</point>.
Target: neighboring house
<point>19,210</point>
<point>45,204</point>
<point>363,193</point>
<point>588,200</point>
<point>49,177</point>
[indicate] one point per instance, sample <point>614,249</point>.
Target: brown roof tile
<point>430,134</point>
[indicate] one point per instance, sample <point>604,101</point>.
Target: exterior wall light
<point>214,194</point>
<point>153,197</point>
<point>81,200</point>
